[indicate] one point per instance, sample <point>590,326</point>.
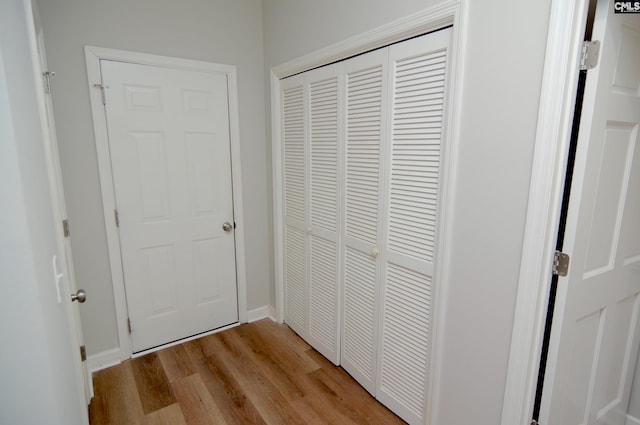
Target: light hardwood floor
<point>259,373</point>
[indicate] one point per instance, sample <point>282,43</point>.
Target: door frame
<point>448,13</point>
<point>93,55</point>
<point>551,150</point>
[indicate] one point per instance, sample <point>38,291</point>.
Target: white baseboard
<point>261,313</point>
<point>99,361</point>
<point>103,360</point>
<point>632,420</point>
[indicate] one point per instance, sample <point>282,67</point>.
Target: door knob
<point>227,227</point>
<point>80,296</point>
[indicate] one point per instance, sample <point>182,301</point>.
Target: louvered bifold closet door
<point>324,171</point>
<point>417,93</point>
<point>294,160</point>
<point>365,102</point>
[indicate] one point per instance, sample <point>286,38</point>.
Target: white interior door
<point>595,333</point>
<point>170,151</point>
<point>65,263</point>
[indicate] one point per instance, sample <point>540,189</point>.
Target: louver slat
<point>324,291</point>
<point>364,117</point>
<point>293,129</point>
<point>295,278</point>
<point>359,317</point>
<point>324,153</point>
<point>418,96</point>
<point>407,309</point>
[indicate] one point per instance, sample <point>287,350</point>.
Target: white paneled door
<point>596,332</point>
<point>170,153</point>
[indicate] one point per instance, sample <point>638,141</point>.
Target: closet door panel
<point>294,150</point>
<point>359,348</point>
<point>403,375</point>
<point>365,102</point>
<point>294,193</point>
<point>365,86</point>
<point>324,127</point>
<point>417,93</point>
<point>295,279</point>
<point>323,300</point>
<point>324,166</point>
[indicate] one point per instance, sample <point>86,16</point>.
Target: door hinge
<point>590,54</point>
<point>47,80</point>
<point>560,264</point>
<point>104,97</point>
<point>129,324</point>
<point>65,228</point>
<point>117,217</point>
<point>83,353</point>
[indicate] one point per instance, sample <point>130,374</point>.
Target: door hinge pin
<point>83,353</point>
<point>117,217</point>
<point>65,228</point>
<point>560,265</point>
<point>589,55</point>
<point>47,80</point>
<point>104,97</point>
<point>129,324</point>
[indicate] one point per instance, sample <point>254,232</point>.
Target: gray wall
<point>634,402</point>
<point>501,90</point>
<point>220,31</point>
<point>38,376</point>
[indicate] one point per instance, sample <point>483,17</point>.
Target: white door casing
<point>170,156</point>
<point>595,334</point>
<point>202,153</point>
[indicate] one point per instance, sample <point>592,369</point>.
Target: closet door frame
<point>448,13</point>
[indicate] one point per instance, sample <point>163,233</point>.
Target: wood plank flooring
<point>260,373</point>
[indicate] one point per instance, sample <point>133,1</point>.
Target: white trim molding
<point>632,420</point>
<point>557,102</point>
<point>103,360</point>
<point>432,19</point>
<point>265,312</point>
<point>448,13</point>
<point>93,55</point>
